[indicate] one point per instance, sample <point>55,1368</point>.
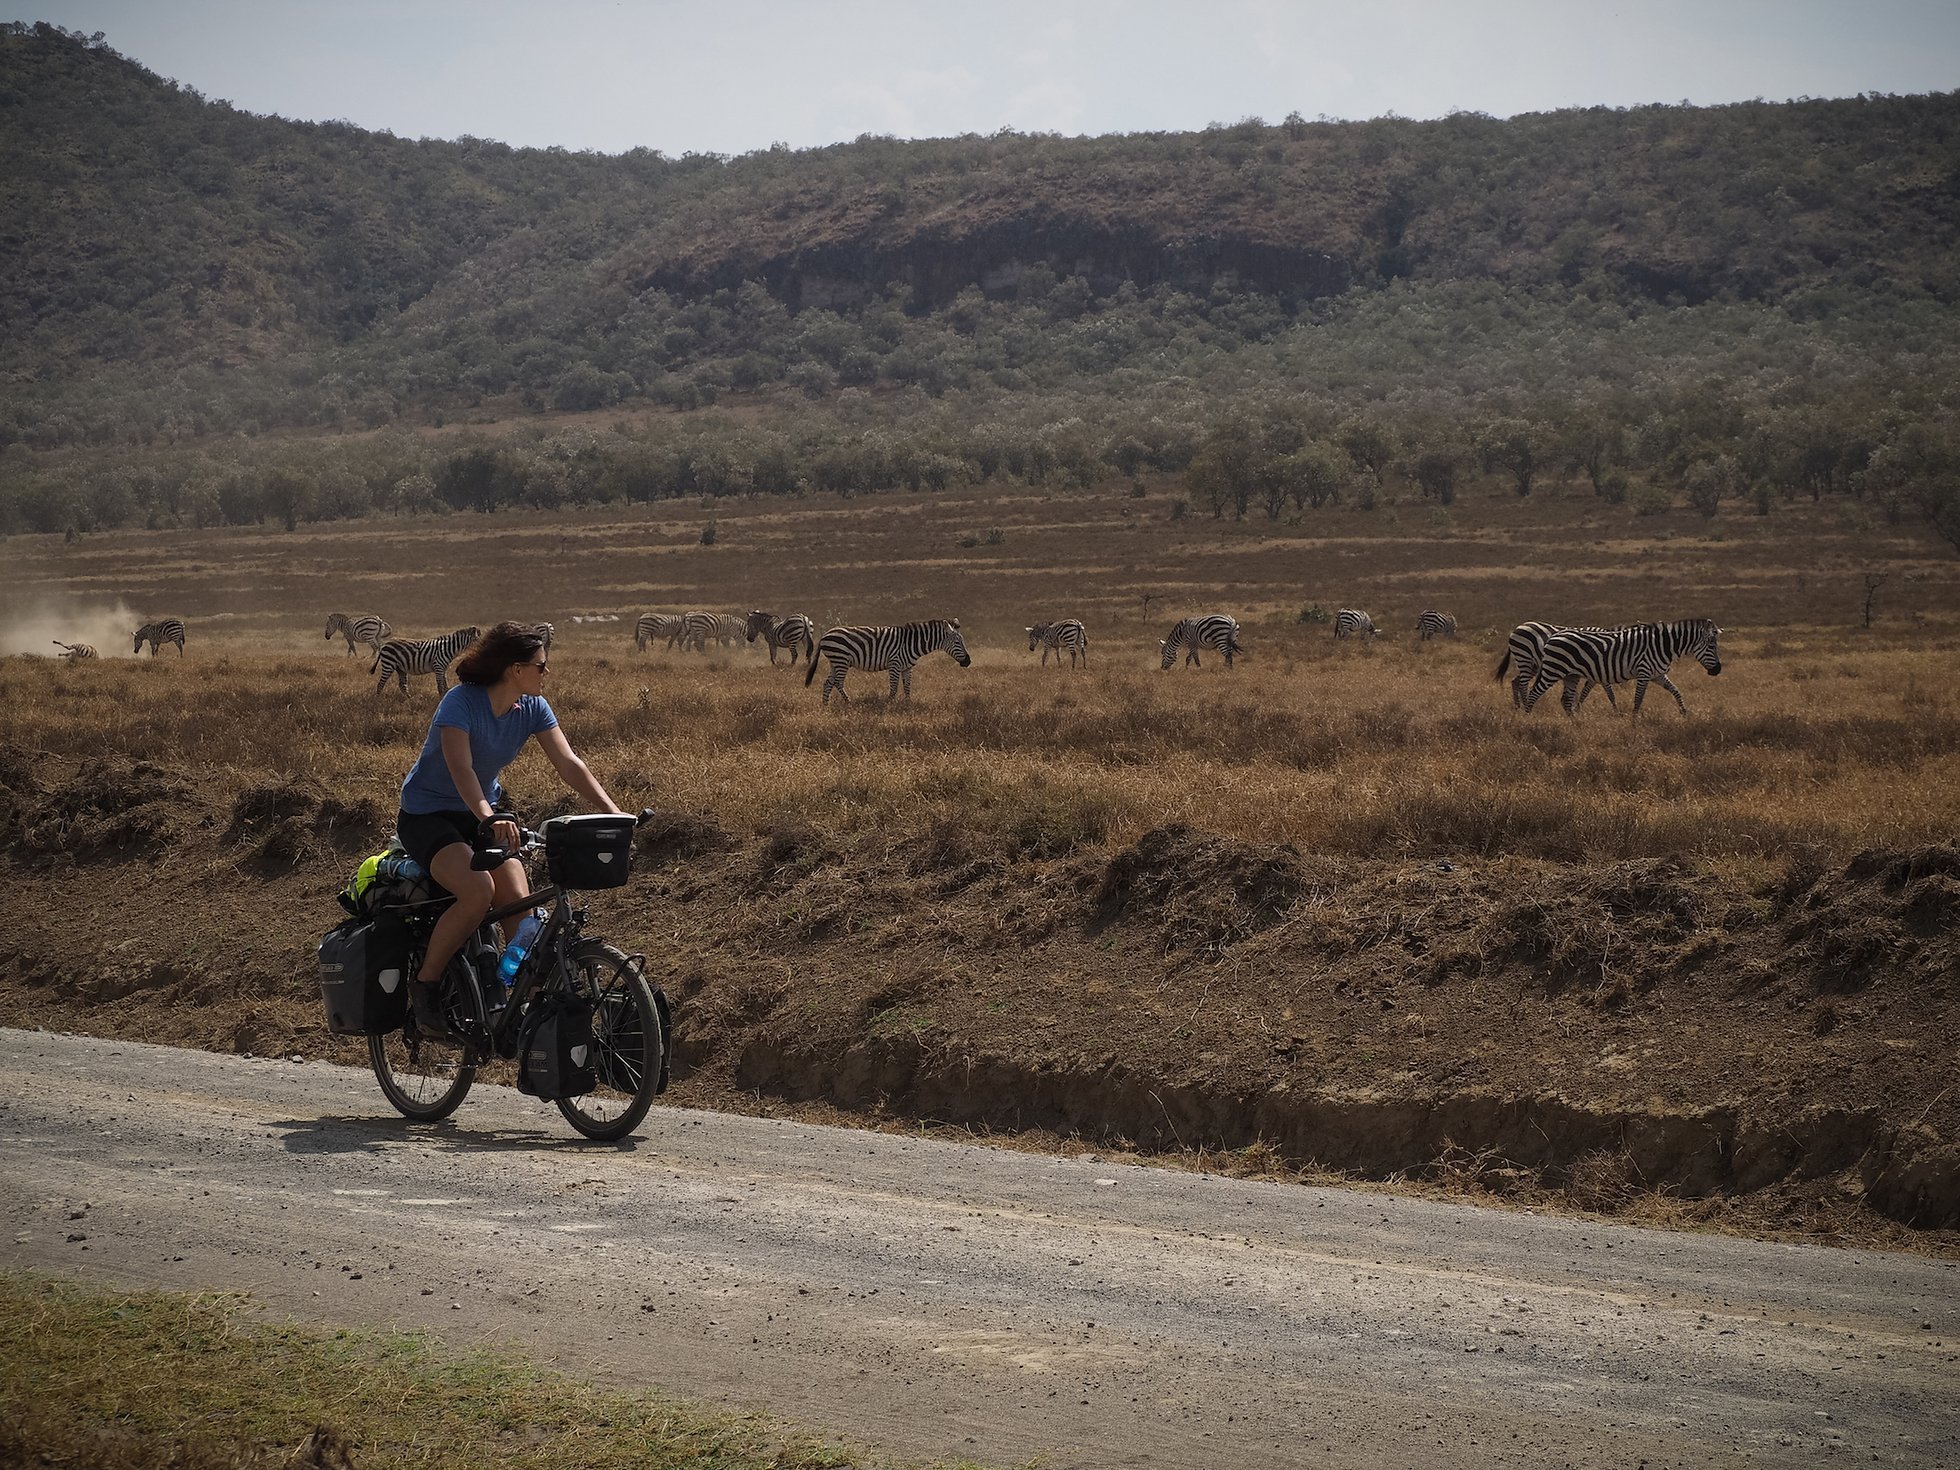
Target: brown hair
<point>490,657</point>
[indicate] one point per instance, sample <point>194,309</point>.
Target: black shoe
<point>425,1004</point>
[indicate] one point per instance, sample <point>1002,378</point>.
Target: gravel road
<point>934,1299</point>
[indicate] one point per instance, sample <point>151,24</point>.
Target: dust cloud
<point>110,627</point>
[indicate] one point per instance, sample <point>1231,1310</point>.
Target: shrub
<point>708,534</point>
<point>1651,500</point>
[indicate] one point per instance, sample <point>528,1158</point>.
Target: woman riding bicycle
<point>448,800</point>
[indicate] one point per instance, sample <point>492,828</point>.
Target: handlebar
<point>483,859</point>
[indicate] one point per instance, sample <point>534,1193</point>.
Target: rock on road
<point>938,1299</point>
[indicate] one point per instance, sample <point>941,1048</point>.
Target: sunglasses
<point>541,666</point>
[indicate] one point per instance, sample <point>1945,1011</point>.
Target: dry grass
<point>1819,736</point>
<point>1390,751</point>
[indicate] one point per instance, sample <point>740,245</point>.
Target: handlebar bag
<point>364,975</point>
<point>594,851</point>
<point>555,1058</point>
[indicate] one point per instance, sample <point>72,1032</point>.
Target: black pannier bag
<point>555,1059</point>
<point>589,852</point>
<point>364,975</point>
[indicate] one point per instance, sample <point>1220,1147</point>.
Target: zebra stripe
<point>894,648</point>
<point>656,625</point>
<point>795,632</point>
<point>698,627</point>
<point>73,650</point>
<point>370,630</point>
<point>1435,625</point>
<point>400,657</point>
<point>1350,623</point>
<point>1526,650</point>
<point>1215,631</point>
<point>1641,653</point>
<point>546,632</point>
<point>162,631</point>
<point>1068,634</point>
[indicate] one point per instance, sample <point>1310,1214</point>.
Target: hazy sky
<point>727,76</point>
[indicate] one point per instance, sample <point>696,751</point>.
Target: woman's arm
<point>456,756</point>
<point>571,770</point>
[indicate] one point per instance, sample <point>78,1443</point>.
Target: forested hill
<point>171,267</point>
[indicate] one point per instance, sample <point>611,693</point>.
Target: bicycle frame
<point>498,1034</point>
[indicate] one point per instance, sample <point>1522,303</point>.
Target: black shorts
<point>424,834</point>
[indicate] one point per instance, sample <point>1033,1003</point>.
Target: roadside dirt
<point>1638,1039</point>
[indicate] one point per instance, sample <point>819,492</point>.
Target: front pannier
<point>364,974</point>
<point>555,1059</point>
<point>589,852</point>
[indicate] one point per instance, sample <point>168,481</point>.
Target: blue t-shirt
<point>494,744</point>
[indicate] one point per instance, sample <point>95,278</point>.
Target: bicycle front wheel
<point>628,1042</point>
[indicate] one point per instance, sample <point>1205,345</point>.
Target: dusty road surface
<point>938,1299</point>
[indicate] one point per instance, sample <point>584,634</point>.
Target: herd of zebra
<point>1537,655</point>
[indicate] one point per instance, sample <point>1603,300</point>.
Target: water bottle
<point>399,867</point>
<point>520,946</point>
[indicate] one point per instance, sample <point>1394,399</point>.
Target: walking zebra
<point>1068,634</point>
<point>1526,650</point>
<point>400,657</point>
<point>1435,625</point>
<point>162,631</point>
<point>893,648</point>
<point>795,632</point>
<point>370,630</point>
<point>656,625</point>
<point>74,650</point>
<point>1641,653</point>
<point>1214,631</point>
<point>1349,623</point>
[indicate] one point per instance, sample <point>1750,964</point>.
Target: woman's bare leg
<point>474,893</point>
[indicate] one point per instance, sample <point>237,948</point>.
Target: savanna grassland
<point>1337,908</point>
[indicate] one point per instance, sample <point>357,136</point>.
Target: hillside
<point>1766,295</point>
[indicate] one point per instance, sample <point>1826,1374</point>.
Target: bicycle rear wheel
<point>628,1042</point>
<point>425,1081</point>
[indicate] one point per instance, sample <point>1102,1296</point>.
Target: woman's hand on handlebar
<point>500,832</point>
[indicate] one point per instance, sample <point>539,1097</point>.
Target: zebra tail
<point>1503,666</point>
<point>811,673</point>
<point>377,661</point>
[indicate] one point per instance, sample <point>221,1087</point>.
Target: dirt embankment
<point>1636,1037</point>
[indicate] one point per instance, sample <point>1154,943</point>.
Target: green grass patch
<point>128,1381</point>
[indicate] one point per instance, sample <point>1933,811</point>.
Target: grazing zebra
<point>400,657</point>
<point>1349,622</point>
<point>1435,625</point>
<point>370,630</point>
<point>74,650</point>
<point>1214,631</point>
<point>1068,634</point>
<point>1526,649</point>
<point>656,625</point>
<point>795,632</point>
<point>162,631</point>
<point>698,627</point>
<point>1641,652</point>
<point>892,648</point>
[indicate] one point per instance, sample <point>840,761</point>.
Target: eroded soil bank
<point>1637,1038</point>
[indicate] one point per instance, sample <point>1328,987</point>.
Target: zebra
<point>895,649</point>
<point>1526,649</point>
<point>1215,631</point>
<point>1068,634</point>
<point>73,650</point>
<point>1641,652</point>
<point>162,631</point>
<point>370,630</point>
<point>698,627</point>
<point>795,632</point>
<point>1434,624</point>
<point>546,632</point>
<point>656,625</point>
<point>400,657</point>
<point>1349,622</point>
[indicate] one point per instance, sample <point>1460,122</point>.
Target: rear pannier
<point>590,851</point>
<point>555,1058</point>
<point>364,975</point>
